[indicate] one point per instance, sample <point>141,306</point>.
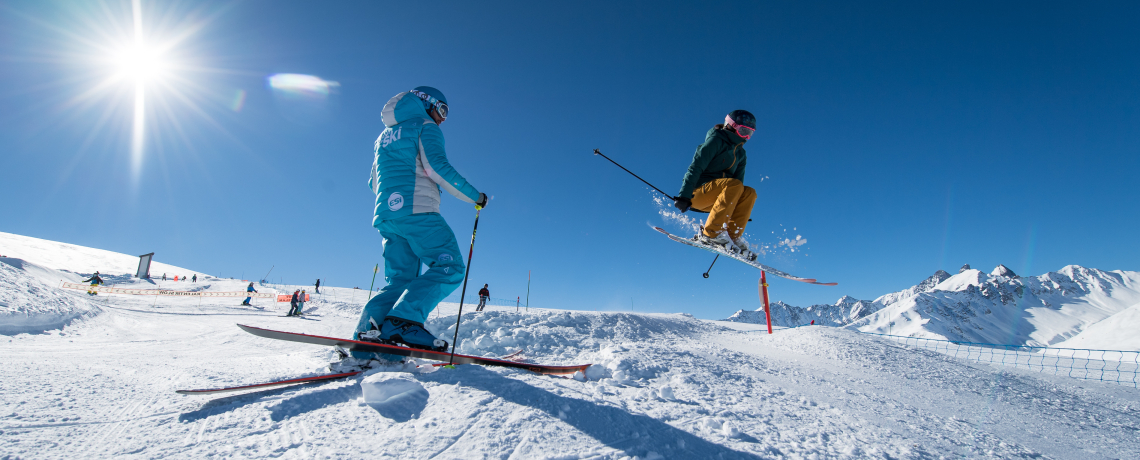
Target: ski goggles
<point>439,106</point>
<point>741,130</point>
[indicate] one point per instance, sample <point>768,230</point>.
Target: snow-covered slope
<point>80,259</point>
<point>663,386</point>
<point>999,307</point>
<point>30,303</point>
<point>1117,332</point>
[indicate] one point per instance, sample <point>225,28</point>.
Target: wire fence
<point>1113,366</point>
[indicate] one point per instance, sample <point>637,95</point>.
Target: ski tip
<point>826,284</point>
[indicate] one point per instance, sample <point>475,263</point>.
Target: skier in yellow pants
<point>714,183</point>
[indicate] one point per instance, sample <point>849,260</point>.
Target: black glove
<point>482,203</point>
<point>682,203</point>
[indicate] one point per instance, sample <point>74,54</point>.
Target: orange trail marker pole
<point>764,296</point>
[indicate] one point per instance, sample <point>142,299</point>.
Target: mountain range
<point>1074,307</point>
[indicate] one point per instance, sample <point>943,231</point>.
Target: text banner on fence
<point>167,292</point>
<point>289,297</point>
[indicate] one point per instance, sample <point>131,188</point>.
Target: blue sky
<point>898,138</point>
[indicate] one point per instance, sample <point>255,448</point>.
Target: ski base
<point>736,256</point>
<point>278,383</point>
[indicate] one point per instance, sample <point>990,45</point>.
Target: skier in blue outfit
<point>409,170</point>
<point>247,299</point>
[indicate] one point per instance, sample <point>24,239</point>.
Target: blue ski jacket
<point>411,164</point>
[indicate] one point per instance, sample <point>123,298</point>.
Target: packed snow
<point>662,386</point>
<point>29,303</point>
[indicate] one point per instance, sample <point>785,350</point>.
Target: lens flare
<point>299,85</point>
<point>239,101</point>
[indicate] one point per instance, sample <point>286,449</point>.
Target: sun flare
<point>140,63</point>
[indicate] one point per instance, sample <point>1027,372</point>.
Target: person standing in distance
<point>301,302</point>
<point>484,294</point>
<point>714,183</point>
<point>248,289</point>
<point>293,303</point>
<point>409,169</point>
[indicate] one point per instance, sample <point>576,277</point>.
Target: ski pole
<point>374,271</point>
<point>463,293</point>
<point>706,275</point>
<point>597,152</point>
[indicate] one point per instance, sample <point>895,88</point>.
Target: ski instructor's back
<point>409,170</point>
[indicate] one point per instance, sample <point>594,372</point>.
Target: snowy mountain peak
<point>964,268</point>
<point>846,300</point>
<point>962,281</point>
<point>929,283</point>
<point>1002,270</point>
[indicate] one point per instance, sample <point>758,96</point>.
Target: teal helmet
<point>433,98</point>
<point>437,94</point>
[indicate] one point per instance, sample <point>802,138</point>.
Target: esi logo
<point>445,258</point>
<point>395,202</point>
<point>389,136</point>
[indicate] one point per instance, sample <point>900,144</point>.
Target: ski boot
<point>396,331</point>
<point>345,362</point>
<point>720,241</point>
<point>743,249</point>
<point>373,335</point>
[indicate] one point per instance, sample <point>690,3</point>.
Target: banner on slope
<point>167,292</point>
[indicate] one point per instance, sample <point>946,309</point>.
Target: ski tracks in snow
<point>665,386</point>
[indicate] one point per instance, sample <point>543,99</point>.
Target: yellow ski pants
<point>729,203</point>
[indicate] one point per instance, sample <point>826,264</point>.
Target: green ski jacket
<point>720,156</point>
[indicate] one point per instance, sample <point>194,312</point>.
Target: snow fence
<point>1114,366</point>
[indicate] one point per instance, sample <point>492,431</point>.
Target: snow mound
<point>396,396</point>
<point>79,259</point>
<point>48,276</point>
<point>29,305</point>
<point>618,344</point>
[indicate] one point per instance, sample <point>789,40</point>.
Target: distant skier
<point>317,289</point>
<point>301,303</point>
<point>484,294</point>
<point>95,281</point>
<point>293,303</point>
<point>247,299</point>
<point>714,183</point>
<point>409,169</point>
<point>195,278</point>
<point>164,276</point>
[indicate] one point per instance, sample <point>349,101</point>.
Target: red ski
<point>681,239</point>
<point>412,352</point>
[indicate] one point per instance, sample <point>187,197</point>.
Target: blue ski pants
<point>409,243</point>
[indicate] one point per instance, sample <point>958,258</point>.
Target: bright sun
<point>140,63</point>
